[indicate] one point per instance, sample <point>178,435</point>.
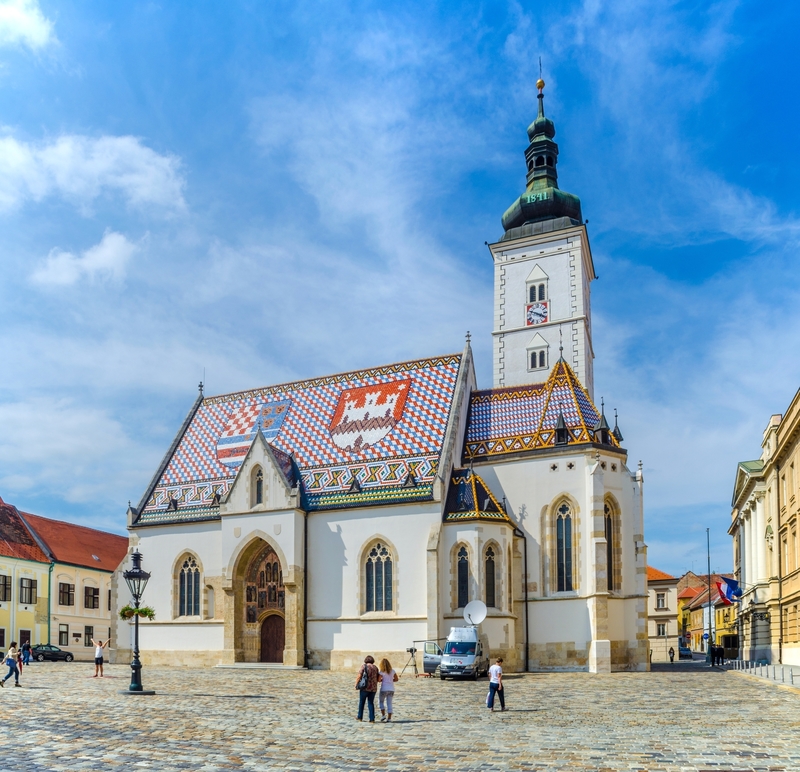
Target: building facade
<point>82,581</point>
<point>24,581</point>
<point>312,523</point>
<point>765,518</point>
<point>663,631</point>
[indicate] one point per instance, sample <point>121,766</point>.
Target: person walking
<point>98,656</point>
<point>11,663</point>
<point>671,654</point>
<point>367,685</point>
<point>496,685</point>
<point>388,678</point>
<point>26,652</point>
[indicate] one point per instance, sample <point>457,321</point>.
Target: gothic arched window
<point>463,577</point>
<point>609,548</point>
<point>613,525</point>
<point>259,487</point>
<point>490,577</point>
<point>564,549</point>
<point>378,579</point>
<point>189,589</point>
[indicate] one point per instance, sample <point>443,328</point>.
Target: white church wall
<point>191,640</point>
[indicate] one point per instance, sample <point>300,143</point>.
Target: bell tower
<point>542,271</point>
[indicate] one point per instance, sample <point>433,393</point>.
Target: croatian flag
<point>729,591</point>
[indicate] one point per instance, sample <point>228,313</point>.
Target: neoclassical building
<point>311,523</point>
<point>765,518</point>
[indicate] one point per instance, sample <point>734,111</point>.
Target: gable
<point>537,274</point>
<point>352,439</point>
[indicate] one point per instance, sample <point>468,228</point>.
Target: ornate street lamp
<point>136,579</point>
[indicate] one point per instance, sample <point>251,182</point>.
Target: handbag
<point>362,681</point>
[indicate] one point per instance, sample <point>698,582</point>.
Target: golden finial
<point>540,84</point>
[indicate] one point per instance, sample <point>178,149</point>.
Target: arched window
<point>540,160</point>
<point>549,160</point>
<point>463,577</point>
<point>609,549</point>
<point>542,358</point>
<point>378,578</point>
<point>259,487</point>
<point>564,549</point>
<point>490,578</point>
<point>613,524</point>
<point>189,589</point>
<point>541,292</point>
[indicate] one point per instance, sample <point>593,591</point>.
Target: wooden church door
<point>273,632</point>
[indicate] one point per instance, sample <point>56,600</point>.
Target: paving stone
<point>209,720</point>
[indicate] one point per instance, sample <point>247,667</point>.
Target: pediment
<point>537,274</point>
<point>537,341</point>
<point>277,492</point>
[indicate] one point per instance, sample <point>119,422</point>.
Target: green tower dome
<point>543,206</point>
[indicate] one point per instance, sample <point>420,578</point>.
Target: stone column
<point>760,546</point>
<point>748,551</point>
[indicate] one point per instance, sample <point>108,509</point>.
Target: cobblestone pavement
<point>691,718</point>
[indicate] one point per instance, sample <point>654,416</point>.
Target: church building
<point>315,522</point>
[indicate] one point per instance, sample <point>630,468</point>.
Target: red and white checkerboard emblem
<point>234,441</point>
<point>366,414</point>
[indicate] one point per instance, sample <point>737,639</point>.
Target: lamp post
<point>136,578</point>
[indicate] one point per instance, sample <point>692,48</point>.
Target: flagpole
<point>708,552</point>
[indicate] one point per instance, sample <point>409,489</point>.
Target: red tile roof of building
<point>689,592</point>
<point>16,541</point>
<point>654,575</point>
<point>79,545</point>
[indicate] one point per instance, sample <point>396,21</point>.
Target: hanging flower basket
<point>128,612</point>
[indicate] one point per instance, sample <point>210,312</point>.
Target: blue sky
<point>268,191</point>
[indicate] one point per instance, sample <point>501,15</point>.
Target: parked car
<point>47,651</point>
<point>684,652</point>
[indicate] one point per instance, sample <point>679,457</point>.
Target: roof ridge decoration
<point>525,418</point>
<point>380,426</point>
<point>470,498</point>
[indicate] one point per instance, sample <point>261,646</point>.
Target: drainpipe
<point>49,597</point>
<point>521,534</point>
<point>305,589</point>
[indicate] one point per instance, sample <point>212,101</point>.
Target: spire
<point>543,206</point>
<point>602,429</point>
<point>562,433</point>
<point>616,432</point>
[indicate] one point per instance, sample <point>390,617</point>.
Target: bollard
<point>791,676</point>
<point>783,675</point>
<point>774,676</point>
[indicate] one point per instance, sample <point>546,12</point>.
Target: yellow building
<point>726,628</point>
<point>24,582</point>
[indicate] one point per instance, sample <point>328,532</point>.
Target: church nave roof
<point>361,438</point>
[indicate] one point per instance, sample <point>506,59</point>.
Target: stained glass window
<point>378,579</point>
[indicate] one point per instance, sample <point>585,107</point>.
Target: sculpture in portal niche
<point>251,614</point>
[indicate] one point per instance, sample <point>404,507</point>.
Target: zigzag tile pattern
<point>303,441</point>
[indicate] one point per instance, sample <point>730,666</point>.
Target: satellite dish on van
<point>475,612</point>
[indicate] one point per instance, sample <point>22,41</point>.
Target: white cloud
<point>80,169</point>
<point>22,22</point>
<point>106,260</point>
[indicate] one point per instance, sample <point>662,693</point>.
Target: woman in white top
<point>388,678</point>
<point>98,656</point>
<point>11,662</point>
<point>496,685</point>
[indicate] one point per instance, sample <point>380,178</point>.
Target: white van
<point>465,654</point>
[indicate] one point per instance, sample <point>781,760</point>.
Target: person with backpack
<point>367,685</point>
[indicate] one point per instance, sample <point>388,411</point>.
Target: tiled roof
<point>359,438</point>
<point>654,575</point>
<point>16,541</point>
<point>689,592</point>
<point>523,418</point>
<point>79,545</point>
<point>469,498</point>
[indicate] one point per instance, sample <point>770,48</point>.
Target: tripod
<point>412,660</point>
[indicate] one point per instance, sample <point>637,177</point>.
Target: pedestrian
<point>98,656</point>
<point>496,685</point>
<point>367,685</point>
<point>11,663</point>
<point>388,678</point>
<point>671,654</point>
<point>26,652</point>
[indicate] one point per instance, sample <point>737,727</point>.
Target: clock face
<point>536,313</point>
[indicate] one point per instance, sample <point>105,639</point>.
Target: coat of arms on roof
<point>243,423</point>
<point>365,415</point>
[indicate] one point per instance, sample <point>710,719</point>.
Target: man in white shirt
<point>496,685</point>
<point>98,656</point>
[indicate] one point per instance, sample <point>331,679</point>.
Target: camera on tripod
<point>411,651</point>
